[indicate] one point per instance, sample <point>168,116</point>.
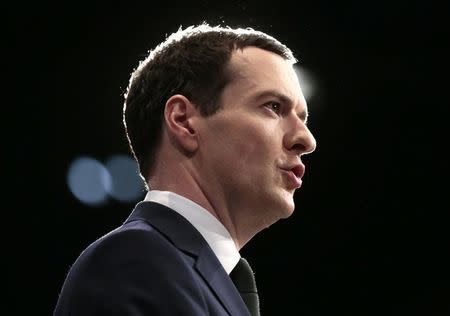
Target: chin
<point>289,205</point>
<point>285,207</point>
<point>289,211</point>
<point>274,205</point>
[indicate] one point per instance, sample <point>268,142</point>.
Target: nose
<point>299,139</point>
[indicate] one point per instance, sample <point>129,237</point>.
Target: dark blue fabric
<point>156,263</point>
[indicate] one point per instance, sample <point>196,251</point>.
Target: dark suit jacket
<point>156,263</point>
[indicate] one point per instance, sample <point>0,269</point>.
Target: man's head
<point>217,115</point>
<point>192,62</point>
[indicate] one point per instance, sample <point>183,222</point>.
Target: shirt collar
<point>212,230</point>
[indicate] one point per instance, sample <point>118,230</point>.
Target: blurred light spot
<point>126,184</point>
<point>88,181</point>
<point>307,82</point>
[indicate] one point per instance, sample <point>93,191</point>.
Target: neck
<point>181,179</point>
<point>176,172</point>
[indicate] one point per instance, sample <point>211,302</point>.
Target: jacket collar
<point>186,238</point>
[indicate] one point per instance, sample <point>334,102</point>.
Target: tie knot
<point>243,277</point>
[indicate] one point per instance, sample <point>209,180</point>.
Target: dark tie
<point>244,280</point>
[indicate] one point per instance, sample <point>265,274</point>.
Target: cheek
<point>243,143</point>
<point>252,147</point>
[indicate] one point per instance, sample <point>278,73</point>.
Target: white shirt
<point>212,230</point>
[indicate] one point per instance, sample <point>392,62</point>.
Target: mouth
<point>294,176</point>
<point>298,170</point>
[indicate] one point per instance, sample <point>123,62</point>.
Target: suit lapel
<point>213,273</point>
<point>186,238</point>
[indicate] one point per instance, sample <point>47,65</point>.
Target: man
<point>216,120</point>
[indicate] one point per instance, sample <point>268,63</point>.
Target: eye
<point>273,106</point>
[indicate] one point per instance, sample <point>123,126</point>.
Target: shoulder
<point>133,267</point>
<point>134,243</point>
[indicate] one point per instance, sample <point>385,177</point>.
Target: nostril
<point>299,148</point>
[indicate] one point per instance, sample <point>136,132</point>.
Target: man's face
<point>250,149</point>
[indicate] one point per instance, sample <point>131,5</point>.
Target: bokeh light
<point>126,185</point>
<point>88,180</point>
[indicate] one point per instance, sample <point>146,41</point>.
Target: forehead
<point>256,71</point>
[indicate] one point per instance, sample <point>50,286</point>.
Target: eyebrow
<point>303,115</point>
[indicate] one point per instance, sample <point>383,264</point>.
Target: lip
<point>298,170</point>
<point>293,177</point>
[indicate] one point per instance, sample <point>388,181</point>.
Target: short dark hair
<point>191,62</point>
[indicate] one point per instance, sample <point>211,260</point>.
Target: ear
<point>178,115</point>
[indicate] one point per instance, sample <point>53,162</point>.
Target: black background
<point>370,232</point>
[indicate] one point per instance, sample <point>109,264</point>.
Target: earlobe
<point>178,114</point>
